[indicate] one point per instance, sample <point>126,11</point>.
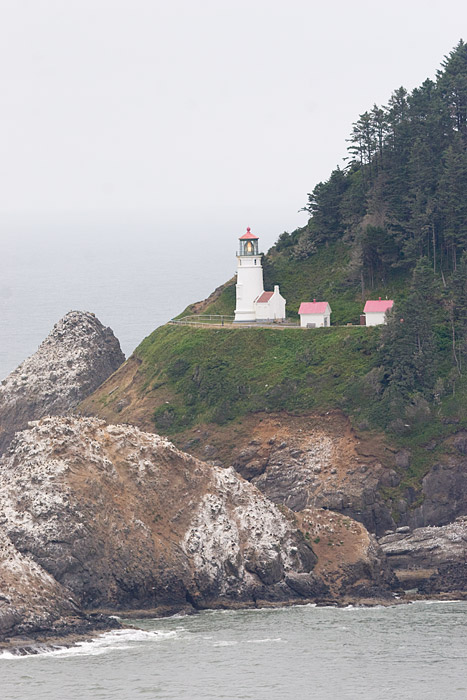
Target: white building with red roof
<point>252,302</point>
<point>315,314</point>
<point>376,311</point>
<point>270,306</point>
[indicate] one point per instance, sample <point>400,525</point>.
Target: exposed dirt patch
<point>310,460</point>
<point>126,397</point>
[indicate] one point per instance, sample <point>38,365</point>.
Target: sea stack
<point>75,358</point>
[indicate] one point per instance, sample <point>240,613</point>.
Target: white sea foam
<point>104,644</point>
<point>264,641</point>
<point>436,602</point>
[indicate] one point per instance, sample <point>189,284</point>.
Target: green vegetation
<point>402,195</point>
<point>392,224</point>
<point>217,375</point>
<point>225,304</point>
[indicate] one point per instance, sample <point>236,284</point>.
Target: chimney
<point>276,289</point>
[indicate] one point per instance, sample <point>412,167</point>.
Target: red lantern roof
<point>248,236</point>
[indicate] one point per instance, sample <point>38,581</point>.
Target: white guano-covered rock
<point>75,359</point>
<point>123,519</point>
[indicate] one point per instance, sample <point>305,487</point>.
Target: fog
<point>145,125</point>
<point>227,111</point>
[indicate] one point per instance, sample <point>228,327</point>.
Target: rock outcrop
<point>77,356</point>
<point>123,519</point>
<point>350,561</point>
<point>306,461</point>
<point>444,488</point>
<point>432,559</point>
<point>30,598</point>
<point>35,610</point>
<point>106,516</point>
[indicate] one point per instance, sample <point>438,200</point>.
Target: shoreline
<point>111,620</point>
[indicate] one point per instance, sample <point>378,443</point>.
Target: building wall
<point>249,286</point>
<point>375,318</point>
<point>319,320</point>
<point>272,310</point>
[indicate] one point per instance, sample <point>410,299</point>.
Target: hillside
<point>392,223</point>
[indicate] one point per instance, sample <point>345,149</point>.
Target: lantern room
<point>248,244</point>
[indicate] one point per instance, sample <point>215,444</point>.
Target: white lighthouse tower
<point>249,277</point>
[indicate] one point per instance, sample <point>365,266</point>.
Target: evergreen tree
<point>452,80</point>
<point>453,200</point>
<point>408,352</point>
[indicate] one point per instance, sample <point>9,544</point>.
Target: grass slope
<point>205,375</point>
<point>216,375</point>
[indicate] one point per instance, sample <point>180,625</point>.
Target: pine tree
<point>452,80</point>
<point>452,196</point>
<point>408,353</point>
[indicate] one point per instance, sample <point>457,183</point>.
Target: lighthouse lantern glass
<point>249,247</point>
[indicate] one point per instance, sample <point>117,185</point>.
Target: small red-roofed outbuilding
<point>315,314</point>
<point>376,311</point>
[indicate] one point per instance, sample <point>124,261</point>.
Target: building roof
<point>378,306</point>
<point>264,297</point>
<point>313,307</point>
<point>248,236</point>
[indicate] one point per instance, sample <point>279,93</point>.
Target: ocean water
<point>134,281</point>
<point>410,652</point>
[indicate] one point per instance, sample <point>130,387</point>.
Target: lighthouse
<point>249,277</point>
<point>253,303</point>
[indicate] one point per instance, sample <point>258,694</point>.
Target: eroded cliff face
<point>123,519</point>
<point>315,460</point>
<point>30,598</point>
<point>444,487</point>
<point>305,461</point>
<point>106,516</point>
<point>432,559</point>
<point>77,356</point>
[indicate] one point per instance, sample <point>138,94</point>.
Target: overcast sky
<point>219,111</point>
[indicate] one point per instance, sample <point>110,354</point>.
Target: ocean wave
<point>264,641</point>
<point>105,643</point>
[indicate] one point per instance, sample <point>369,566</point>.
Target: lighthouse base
<point>242,316</point>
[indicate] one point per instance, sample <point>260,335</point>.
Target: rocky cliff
<point>30,597</point>
<point>122,519</point>
<point>107,516</point>
<point>444,487</point>
<point>77,356</point>
<point>313,460</point>
<point>432,559</point>
<point>320,460</point>
<point>34,607</point>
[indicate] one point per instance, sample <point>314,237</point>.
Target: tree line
<point>402,194</point>
<point>401,205</point>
